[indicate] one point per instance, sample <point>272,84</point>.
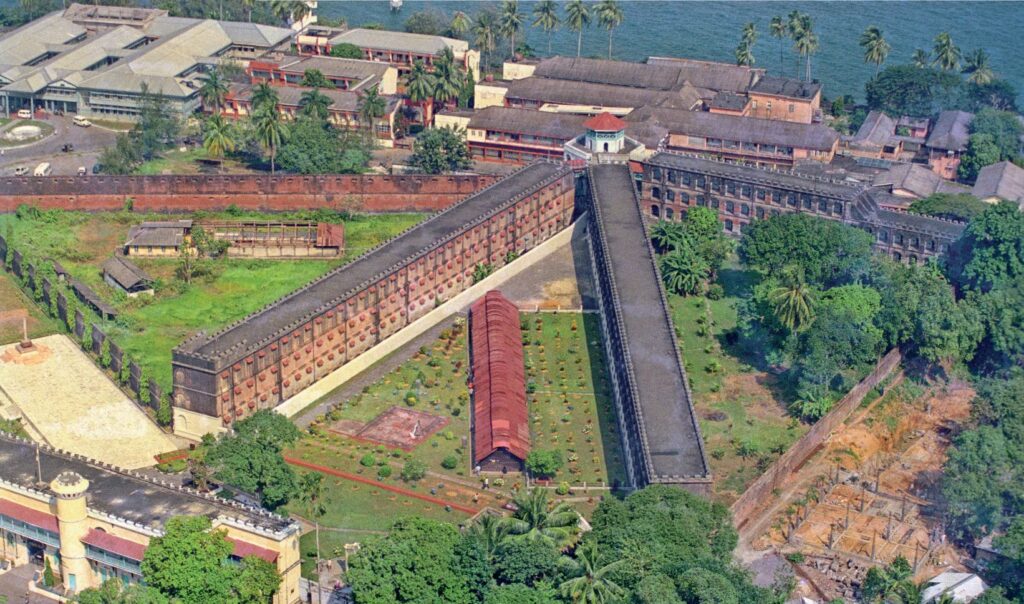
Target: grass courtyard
<point>148,328</point>
<point>15,305</point>
<point>742,410</point>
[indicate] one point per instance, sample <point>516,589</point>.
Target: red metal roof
<point>500,416</point>
<point>605,122</point>
<point>112,543</point>
<point>27,515</point>
<point>243,549</point>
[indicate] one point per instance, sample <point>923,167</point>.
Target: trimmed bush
<point>449,462</point>
<point>368,460</point>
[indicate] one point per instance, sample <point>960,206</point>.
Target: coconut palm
<point>460,23</point>
<point>485,34</point>
<point>593,585</point>
<point>290,11</point>
<point>793,301</point>
<point>420,85</point>
<point>270,129</point>
<point>749,33</point>
<point>684,272</point>
<point>876,48</point>
<point>777,29</point>
<point>744,55</point>
<point>490,532</point>
<point>213,91</point>
<point>371,107</point>
<point>609,16</point>
<point>311,493</point>
<point>920,58</point>
<point>510,23</point>
<point>535,520</point>
<point>577,18</point>
<point>264,95</point>
<point>806,43</point>
<point>218,136</point>
<point>315,104</point>
<point>448,78</point>
<point>794,25</point>
<point>545,16</point>
<point>977,68</point>
<point>947,54</point>
<point>667,235</point>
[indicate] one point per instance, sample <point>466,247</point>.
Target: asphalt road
<point>88,144</point>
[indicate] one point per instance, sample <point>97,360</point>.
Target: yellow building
<point>92,521</point>
<point>159,238</point>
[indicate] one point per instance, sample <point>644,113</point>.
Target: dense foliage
<point>441,150</point>
<point>316,147</point>
<point>951,206</point>
<point>924,91</point>
<point>250,458</point>
<point>692,251</point>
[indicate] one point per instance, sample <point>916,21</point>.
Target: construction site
<point>869,494</point>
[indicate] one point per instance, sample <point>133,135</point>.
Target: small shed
<point>126,276</point>
<point>501,427</point>
<point>164,238</point>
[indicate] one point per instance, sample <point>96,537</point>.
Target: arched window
<point>730,207</point>
<point>728,225</point>
<point>668,213</point>
<point>837,209</point>
<point>670,195</point>
<point>655,211</point>
<point>656,193</point>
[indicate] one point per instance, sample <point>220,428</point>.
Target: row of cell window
<point>821,205</point>
<point>729,187</point>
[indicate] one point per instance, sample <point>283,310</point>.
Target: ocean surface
<point>711,30</point>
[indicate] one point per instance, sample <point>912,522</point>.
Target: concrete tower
<point>605,133</point>
<point>69,489</point>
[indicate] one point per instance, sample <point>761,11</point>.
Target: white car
<point>21,171</point>
<point>81,121</point>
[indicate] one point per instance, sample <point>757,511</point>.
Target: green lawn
<point>149,328</point>
<point>742,410</point>
<point>12,300</point>
<point>173,161</point>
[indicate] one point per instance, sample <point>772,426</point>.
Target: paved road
<point>88,143</point>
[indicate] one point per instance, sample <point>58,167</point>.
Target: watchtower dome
<point>605,133</point>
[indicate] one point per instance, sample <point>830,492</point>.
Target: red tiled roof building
<point>501,427</point>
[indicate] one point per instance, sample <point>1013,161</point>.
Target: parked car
<point>24,114</point>
<point>67,148</point>
<point>21,171</point>
<point>43,169</point>
<point>81,121</point>
<point>81,171</point>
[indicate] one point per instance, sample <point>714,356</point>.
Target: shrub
<point>163,411</point>
<point>413,470</point>
<point>563,489</point>
<point>449,462</point>
<point>383,471</point>
<point>795,558</point>
<point>368,460</point>
<point>544,463</point>
<point>715,291</point>
<point>48,577</point>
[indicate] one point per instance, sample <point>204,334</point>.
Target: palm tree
<point>448,78</point>
<point>311,493</point>
<point>315,104</point>
<point>264,95</point>
<point>290,11</point>
<point>777,28</point>
<point>920,58</point>
<point>545,16</point>
<point>510,23</point>
<point>218,136</point>
<point>744,56</point>
<point>485,34</point>
<point>684,272</point>
<point>490,532</point>
<point>460,23</point>
<point>609,16</point>
<point>593,586</point>
<point>533,520</point>
<point>667,235</point>
<point>947,54</point>
<point>750,33</point>
<point>876,48</point>
<point>371,107</point>
<point>213,91</point>
<point>577,18</point>
<point>793,301</point>
<point>806,42</point>
<point>270,129</point>
<point>247,5</point>
<point>794,25</point>
<point>419,85</point>
<point>977,67</point>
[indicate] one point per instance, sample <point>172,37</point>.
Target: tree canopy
<point>441,150</point>
<point>251,459</point>
<point>316,147</point>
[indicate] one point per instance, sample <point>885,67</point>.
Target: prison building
<point>671,183</point>
<point>279,239</point>
<point>93,521</point>
<point>660,436</point>
<point>501,424</point>
<point>280,350</point>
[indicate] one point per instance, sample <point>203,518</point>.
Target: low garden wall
<point>762,490</point>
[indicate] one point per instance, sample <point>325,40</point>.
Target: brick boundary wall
<point>761,490</point>
<point>187,193</point>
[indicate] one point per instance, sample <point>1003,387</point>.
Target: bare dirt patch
<point>396,427</point>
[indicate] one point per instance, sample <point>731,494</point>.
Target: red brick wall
<point>290,364</point>
<point>370,193</point>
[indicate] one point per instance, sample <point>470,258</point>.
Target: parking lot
<point>88,143</point>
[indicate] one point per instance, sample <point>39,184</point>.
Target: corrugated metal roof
<point>951,131</point>
<point>28,515</point>
<point>1004,179</point>
<point>500,417</point>
<point>125,273</point>
<point>397,40</point>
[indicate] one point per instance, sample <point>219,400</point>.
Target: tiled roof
<point>951,131</point>
<point>28,515</point>
<point>790,88</point>
<point>114,544</point>
<point>500,418</point>
<point>528,121</point>
<point>729,101</point>
<point>605,122</point>
<point>243,549</point>
<point>336,67</point>
<point>736,128</point>
<point>158,234</point>
<point>291,96</point>
<point>614,73</point>
<point>568,92</point>
<point>397,40</point>
<point>125,273</point>
<point>916,179</point>
<point>876,131</point>
<point>710,74</point>
<point>1004,179</point>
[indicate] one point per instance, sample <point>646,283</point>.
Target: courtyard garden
<point>225,290</point>
<point>742,410</point>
